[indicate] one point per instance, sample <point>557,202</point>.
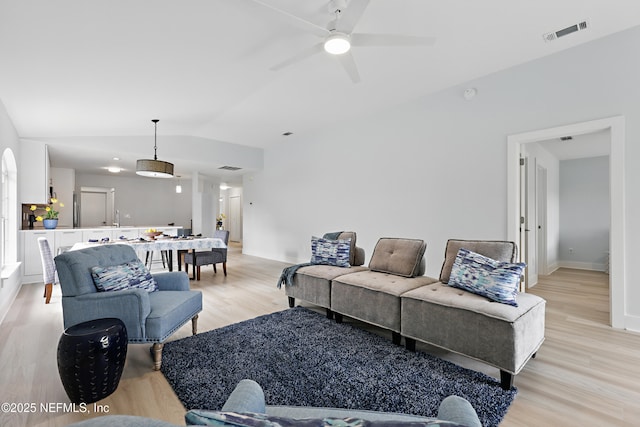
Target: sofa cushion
<point>494,249</point>
<point>501,335</point>
<point>313,283</point>
<point>487,277</point>
<point>330,252</point>
<point>123,276</point>
<point>169,311</point>
<point>372,296</point>
<point>402,257</point>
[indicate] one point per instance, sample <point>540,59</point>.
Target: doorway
<point>97,206</point>
<point>235,219</point>
<point>616,126</point>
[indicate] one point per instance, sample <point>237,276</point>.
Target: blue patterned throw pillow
<point>124,276</point>
<point>330,252</point>
<point>484,276</point>
<point>249,419</point>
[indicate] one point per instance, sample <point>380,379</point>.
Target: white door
<point>93,208</point>
<point>524,220</point>
<point>531,223</point>
<point>541,232</point>
<point>235,219</point>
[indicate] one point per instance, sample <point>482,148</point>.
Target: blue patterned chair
<point>150,317</point>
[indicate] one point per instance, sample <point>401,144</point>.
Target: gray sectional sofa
<point>393,293</point>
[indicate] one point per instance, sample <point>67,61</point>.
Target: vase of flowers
<point>50,218</point>
<point>219,221</point>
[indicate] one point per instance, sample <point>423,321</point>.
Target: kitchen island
<point>62,238</point>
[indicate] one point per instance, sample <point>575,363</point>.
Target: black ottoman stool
<point>91,358</point>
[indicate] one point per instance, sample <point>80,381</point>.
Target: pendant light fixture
<point>154,168</point>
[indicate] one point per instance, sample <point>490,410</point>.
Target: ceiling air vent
<point>230,168</point>
<point>548,37</point>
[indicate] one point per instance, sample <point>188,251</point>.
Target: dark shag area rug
<point>301,358</point>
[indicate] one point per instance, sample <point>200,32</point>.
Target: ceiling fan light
<point>337,44</point>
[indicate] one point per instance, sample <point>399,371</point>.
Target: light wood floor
<point>585,373</point>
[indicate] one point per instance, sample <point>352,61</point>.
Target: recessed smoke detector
<point>580,26</point>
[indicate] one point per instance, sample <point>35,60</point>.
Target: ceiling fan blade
<point>316,29</point>
<point>351,15</point>
<point>365,40</point>
<point>349,65</point>
<point>300,56</point>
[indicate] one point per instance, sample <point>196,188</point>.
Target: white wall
<point>436,168</point>
<point>584,213</point>
<point>144,201</point>
<point>204,204</point>
<point>9,139</point>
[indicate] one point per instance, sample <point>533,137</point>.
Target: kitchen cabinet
<point>34,172</point>
<point>97,234</point>
<point>66,239</point>
<point>31,260</point>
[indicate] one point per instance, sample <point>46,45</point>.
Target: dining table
<point>180,244</point>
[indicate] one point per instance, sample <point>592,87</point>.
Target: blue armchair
<point>150,317</point>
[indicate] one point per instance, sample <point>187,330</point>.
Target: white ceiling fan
<point>338,36</point>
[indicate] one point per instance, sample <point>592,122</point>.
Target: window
<point>9,210</point>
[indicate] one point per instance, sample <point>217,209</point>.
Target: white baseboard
<point>632,323</point>
<point>582,265</point>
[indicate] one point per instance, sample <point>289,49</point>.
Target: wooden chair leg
<point>214,269</point>
<point>194,324</point>
<point>157,355</point>
<point>48,290</point>
<point>224,267</point>
<point>198,273</point>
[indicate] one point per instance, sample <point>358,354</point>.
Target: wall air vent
<point>548,37</point>
<point>230,168</point>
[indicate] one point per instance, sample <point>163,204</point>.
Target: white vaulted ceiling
<point>81,72</point>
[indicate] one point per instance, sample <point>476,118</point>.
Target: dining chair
<point>49,275</point>
<point>213,256</point>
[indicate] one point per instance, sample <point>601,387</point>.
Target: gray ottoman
<point>498,334</point>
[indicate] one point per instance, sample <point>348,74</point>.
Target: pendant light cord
<point>155,139</point>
